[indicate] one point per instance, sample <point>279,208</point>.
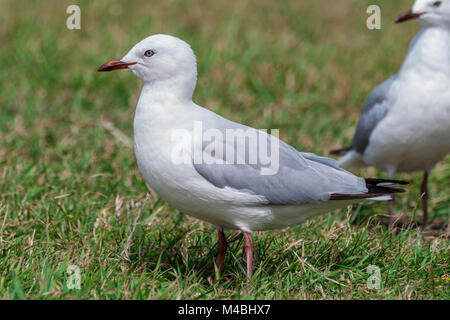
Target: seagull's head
<point>429,12</point>
<point>160,59</point>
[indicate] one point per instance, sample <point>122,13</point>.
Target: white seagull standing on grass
<point>208,183</point>
<point>405,124</point>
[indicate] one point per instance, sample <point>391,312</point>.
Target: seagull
<point>405,123</point>
<point>221,171</point>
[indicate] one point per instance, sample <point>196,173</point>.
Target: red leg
<point>424,192</point>
<point>391,204</point>
<point>222,250</point>
<point>248,247</point>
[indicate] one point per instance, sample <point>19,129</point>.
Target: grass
<point>71,193</point>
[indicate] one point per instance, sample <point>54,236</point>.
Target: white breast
<point>180,184</point>
<point>415,134</point>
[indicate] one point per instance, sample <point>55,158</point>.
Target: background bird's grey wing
<point>373,112</point>
<point>300,178</point>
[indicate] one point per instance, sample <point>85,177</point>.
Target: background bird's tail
<point>352,158</point>
<point>340,152</point>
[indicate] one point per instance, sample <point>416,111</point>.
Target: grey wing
<point>373,112</point>
<point>299,178</point>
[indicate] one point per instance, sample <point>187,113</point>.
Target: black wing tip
<point>376,188</point>
<point>380,192</point>
<point>340,152</point>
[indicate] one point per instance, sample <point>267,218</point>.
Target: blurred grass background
<point>71,192</point>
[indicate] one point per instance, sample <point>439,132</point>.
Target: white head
<point>429,13</point>
<point>163,61</point>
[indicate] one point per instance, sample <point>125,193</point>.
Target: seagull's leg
<point>424,193</point>
<point>248,247</point>
<point>222,250</point>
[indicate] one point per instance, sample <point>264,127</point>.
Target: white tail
<point>351,159</point>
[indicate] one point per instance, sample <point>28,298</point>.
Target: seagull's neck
<point>429,52</point>
<point>164,103</point>
<point>178,89</point>
<point>165,95</point>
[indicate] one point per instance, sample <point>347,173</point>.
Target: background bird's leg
<point>424,195</point>
<point>248,247</point>
<point>222,250</point>
<point>392,219</point>
<point>391,203</point>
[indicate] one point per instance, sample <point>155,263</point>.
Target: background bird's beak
<point>408,15</point>
<point>115,65</point>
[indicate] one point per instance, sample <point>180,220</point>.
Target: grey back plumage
<point>301,177</point>
<point>373,112</point>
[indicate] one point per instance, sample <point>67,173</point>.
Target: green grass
<point>71,193</point>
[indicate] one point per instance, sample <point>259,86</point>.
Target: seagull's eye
<point>437,3</point>
<point>149,53</point>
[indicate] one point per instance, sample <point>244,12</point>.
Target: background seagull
<point>229,195</point>
<point>405,124</point>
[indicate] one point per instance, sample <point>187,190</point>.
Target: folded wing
<point>300,177</point>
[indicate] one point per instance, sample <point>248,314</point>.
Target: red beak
<point>115,65</point>
<point>408,15</point>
